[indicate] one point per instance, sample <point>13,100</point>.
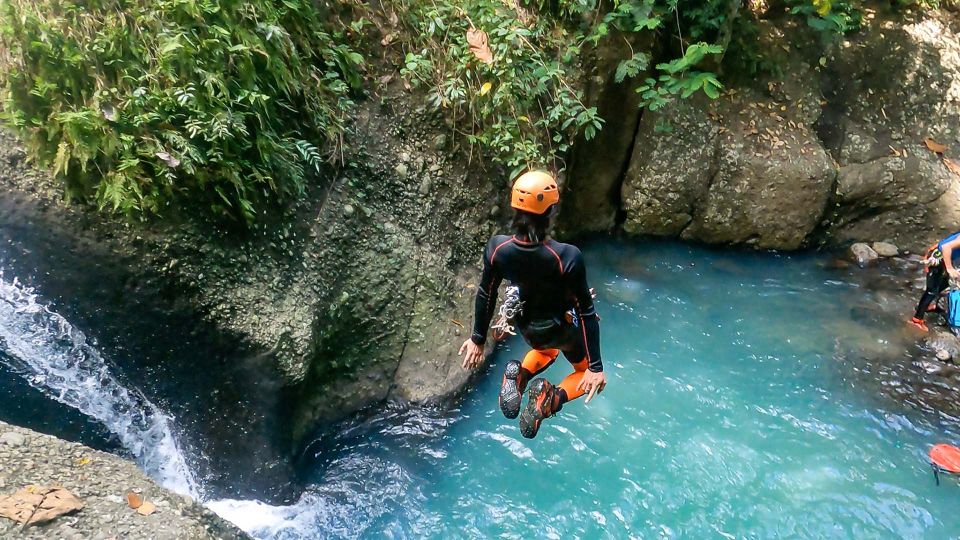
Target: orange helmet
<point>535,192</point>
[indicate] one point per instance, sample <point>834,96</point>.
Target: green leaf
<point>169,46</point>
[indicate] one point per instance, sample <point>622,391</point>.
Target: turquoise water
<point>729,413</point>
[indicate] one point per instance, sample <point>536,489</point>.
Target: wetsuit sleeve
<point>589,321</point>
<point>486,300</point>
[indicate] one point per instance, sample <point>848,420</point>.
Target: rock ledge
<point>101,480</point>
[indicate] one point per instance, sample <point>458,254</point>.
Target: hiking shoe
<point>540,400</point>
<point>510,392</point>
<point>919,324</point>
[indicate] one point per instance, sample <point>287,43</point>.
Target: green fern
<point>136,103</point>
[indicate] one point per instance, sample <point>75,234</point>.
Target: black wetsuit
<point>937,277</point>
<point>937,282</point>
<point>552,280</point>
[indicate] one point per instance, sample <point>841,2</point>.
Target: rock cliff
<point>828,150</point>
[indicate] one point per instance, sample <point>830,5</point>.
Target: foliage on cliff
<point>135,102</point>
<point>142,105</point>
<point>514,92</point>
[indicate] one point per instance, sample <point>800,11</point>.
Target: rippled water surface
<point>728,414</point>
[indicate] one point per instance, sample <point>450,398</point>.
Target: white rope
<point>509,309</point>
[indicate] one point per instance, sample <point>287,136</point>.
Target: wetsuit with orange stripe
<point>557,313</point>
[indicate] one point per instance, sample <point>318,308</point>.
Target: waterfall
<point>57,359</point>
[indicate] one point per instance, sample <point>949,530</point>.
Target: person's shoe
<point>540,405</point>
<point>510,392</point>
<point>919,324</point>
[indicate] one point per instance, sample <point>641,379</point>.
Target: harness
<point>509,310</point>
<point>932,258</point>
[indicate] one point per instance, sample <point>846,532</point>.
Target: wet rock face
<point>394,262</point>
<point>359,292</point>
<point>745,169</point>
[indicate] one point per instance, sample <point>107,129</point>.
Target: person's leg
<point>535,363</point>
<point>568,387</point>
<point>936,282</point>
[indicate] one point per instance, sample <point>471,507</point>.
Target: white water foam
<point>58,360</point>
<point>333,509</point>
<point>262,520</point>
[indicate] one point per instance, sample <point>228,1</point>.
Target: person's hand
<point>592,383</point>
<point>473,356</point>
<point>954,274</point>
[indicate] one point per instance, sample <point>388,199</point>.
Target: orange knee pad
<point>536,361</point>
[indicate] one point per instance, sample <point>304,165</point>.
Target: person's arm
<point>486,301</point>
<point>587,313</point>
<point>947,251</point>
<point>484,305</point>
<point>593,380</point>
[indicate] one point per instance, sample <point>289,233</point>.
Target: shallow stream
<point>737,406</point>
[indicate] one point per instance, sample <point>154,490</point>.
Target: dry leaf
<point>393,18</point>
<point>477,39</point>
<point>458,323</point>
<point>485,88</point>
<point>36,504</point>
<point>146,508</point>
<point>952,165</point>
<point>934,146</point>
<point>894,151</point>
<point>134,500</point>
<point>170,161</point>
<point>85,460</point>
<point>109,111</point>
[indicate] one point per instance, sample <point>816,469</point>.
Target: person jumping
<point>941,268</point>
<point>555,314</point>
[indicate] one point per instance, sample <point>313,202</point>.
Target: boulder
<point>742,170</point>
<point>944,345</point>
<point>863,254</point>
<point>885,249</point>
<point>671,169</point>
<point>887,88</point>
